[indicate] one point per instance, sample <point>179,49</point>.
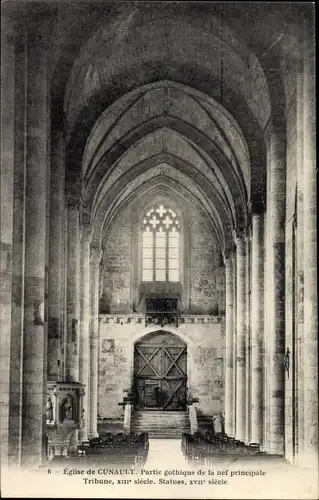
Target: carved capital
<point>85,215</point>
<point>96,254</point>
<point>238,236</point>
<point>73,202</point>
<point>86,233</point>
<point>257,206</point>
<point>247,233</point>
<point>228,253</point>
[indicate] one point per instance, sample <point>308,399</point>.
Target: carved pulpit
<point>64,410</point>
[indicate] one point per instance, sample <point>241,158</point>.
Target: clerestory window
<point>161,244</point>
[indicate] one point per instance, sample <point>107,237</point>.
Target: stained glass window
<point>161,233</point>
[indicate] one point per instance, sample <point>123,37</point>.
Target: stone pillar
<point>56,258</point>
<point>276,289</point>
<point>266,362</point>
<point>257,329</point>
<point>310,343</point>
<point>84,365</point>
<point>241,339</point>
<point>96,255</point>
<point>65,292</point>
<point>127,418</point>
<point>73,292</point>
<point>299,438</point>
<point>18,246</point>
<point>34,333</point>
<point>101,284</point>
<point>248,333</point>
<point>229,354</point>
<point>234,378</point>
<point>8,48</point>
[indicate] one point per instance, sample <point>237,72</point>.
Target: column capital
<point>256,206</point>
<point>86,233</point>
<point>238,236</point>
<point>96,254</point>
<point>227,254</point>
<point>247,233</point>
<point>73,202</point>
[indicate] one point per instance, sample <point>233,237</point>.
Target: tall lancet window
<point>161,243</point>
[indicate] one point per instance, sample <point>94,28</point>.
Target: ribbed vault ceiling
<point>200,144</point>
<point>158,97</point>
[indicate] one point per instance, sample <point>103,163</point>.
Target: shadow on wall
<point>109,306</point>
<point>105,304</point>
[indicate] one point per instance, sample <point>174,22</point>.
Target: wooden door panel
<point>147,393</point>
<point>174,362</point>
<point>148,361</point>
<point>160,375</point>
<point>175,391</point>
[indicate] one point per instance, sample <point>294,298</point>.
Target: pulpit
<point>64,416</point>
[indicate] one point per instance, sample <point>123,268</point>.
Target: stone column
<point>65,291</point>
<point>241,339</point>
<point>56,258</point>
<point>248,333</point>
<point>96,255</point>
<point>276,289</point>
<point>266,363</point>
<point>85,328</point>
<point>257,329</point>
<point>18,244</point>
<point>8,60</point>
<point>34,332</point>
<point>73,292</point>
<point>300,262</point>
<point>310,260</point>
<point>229,389</point>
<point>234,378</point>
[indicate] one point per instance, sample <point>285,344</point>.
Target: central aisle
<point>165,454</point>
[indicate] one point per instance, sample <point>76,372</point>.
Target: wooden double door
<point>160,373</point>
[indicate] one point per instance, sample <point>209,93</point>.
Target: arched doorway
<point>160,372</point>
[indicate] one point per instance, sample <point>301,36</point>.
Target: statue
<point>67,409</point>
<point>49,409</point>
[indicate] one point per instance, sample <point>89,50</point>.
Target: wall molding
<point>136,318</point>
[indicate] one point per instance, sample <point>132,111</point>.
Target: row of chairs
<point>204,447</point>
<point>123,449</point>
<point>119,439</point>
<point>113,450</point>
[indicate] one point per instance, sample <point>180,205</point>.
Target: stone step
<point>159,412</point>
<point>164,415</point>
<point>156,423</point>
<point>149,428</point>
<point>163,420</point>
<point>160,424</point>
<point>160,415</point>
<point>164,433</point>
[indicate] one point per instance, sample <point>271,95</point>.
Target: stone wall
<point>206,281</point>
<point>202,284</point>
<point>205,347</point>
<point>117,261</point>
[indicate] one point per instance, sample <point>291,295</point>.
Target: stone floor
<point>228,476</point>
<point>165,453</point>
<point>166,474</point>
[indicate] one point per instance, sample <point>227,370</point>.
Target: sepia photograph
<point>159,309</point>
